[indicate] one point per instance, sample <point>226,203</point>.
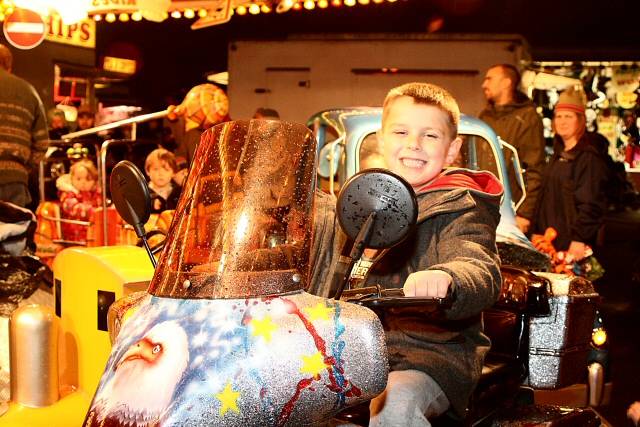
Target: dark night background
<point>174,57</point>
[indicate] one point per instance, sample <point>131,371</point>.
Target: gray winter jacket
<point>456,233</point>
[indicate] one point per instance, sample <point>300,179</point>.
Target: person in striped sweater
<point>23,133</point>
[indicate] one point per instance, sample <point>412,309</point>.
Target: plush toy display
<point>564,262</point>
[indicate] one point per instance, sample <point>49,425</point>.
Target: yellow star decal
<point>313,364</point>
<point>228,399</point>
<point>264,327</point>
<point>320,311</point>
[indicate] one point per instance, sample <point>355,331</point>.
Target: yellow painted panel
<point>81,273</point>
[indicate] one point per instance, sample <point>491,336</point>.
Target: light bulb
<point>254,9</point>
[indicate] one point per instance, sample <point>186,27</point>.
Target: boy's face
<point>416,140</point>
<point>82,180</point>
<point>160,173</point>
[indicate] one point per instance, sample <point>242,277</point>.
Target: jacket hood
<point>483,182</point>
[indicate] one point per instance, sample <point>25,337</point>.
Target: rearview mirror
<point>384,194</point>
<point>377,209</point>
<point>132,198</point>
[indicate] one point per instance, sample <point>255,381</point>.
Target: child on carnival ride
<point>435,362</point>
<point>161,167</point>
<point>79,196</point>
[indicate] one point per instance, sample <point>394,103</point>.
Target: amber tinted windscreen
<point>244,221</point>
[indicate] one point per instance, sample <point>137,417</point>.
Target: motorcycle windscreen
<point>243,224</point>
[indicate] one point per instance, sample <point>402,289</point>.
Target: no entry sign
<point>24,29</point>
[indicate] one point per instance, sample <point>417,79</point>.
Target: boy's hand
<point>429,283</point>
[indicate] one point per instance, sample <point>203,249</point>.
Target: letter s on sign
<point>84,32</point>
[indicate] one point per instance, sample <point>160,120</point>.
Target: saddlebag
<point>559,343</point>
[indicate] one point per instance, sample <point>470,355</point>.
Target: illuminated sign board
<point>81,34</point>
<point>119,65</point>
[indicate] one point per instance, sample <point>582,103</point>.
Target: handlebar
<point>377,297</point>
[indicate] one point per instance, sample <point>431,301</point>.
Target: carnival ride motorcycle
<point>231,275</point>
<point>377,197</point>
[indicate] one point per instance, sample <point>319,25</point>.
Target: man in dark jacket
<point>23,133</point>
<point>435,363</point>
<point>514,118</point>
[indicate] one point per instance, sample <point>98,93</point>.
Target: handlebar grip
<point>375,296</point>
<point>407,302</point>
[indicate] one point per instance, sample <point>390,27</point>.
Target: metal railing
<point>133,121</point>
<point>102,155</point>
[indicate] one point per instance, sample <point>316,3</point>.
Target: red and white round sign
<point>24,29</point>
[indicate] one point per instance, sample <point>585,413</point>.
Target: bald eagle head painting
<point>144,378</point>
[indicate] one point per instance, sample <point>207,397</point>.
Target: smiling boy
<point>435,362</point>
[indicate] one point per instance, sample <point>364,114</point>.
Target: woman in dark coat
<point>573,199</point>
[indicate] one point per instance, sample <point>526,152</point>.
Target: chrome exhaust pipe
<point>33,350</point>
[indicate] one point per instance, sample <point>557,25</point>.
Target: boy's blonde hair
<point>429,94</point>
<point>161,155</point>
<point>88,165</point>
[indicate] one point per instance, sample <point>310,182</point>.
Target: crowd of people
<point>433,370</point>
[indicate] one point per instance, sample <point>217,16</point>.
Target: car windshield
<point>244,221</point>
<point>475,154</point>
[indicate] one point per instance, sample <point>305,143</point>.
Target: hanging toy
<point>77,152</point>
<point>204,106</point>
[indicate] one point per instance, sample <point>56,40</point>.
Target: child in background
<point>434,363</point>
<point>161,166</point>
<point>79,196</point>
